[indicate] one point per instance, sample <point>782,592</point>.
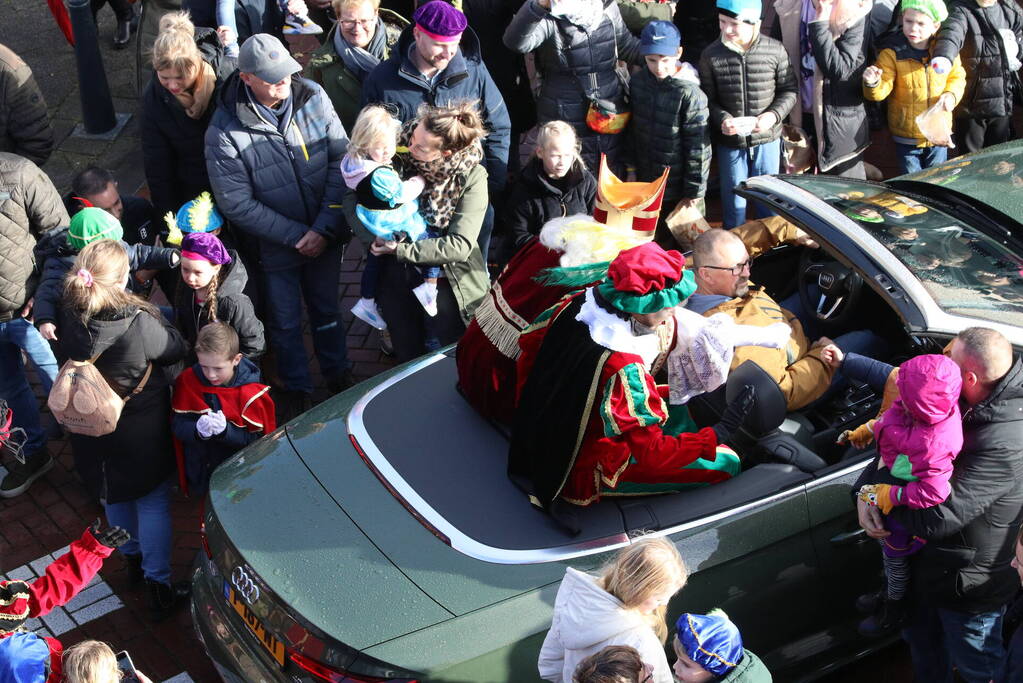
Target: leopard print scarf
<point>445,179</point>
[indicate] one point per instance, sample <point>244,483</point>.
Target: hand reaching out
<point>832,356</point>
<point>872,75</point>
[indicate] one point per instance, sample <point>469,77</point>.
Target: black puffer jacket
<point>173,145</point>
<point>534,199</point>
<point>669,129</point>
<point>971,536</point>
<point>136,457</point>
<point>747,84</point>
<point>233,308</point>
<point>29,207</point>
<point>842,125</point>
<point>572,61</point>
<point>972,32</point>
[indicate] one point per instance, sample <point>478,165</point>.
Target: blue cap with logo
<point>660,38</point>
<point>744,10</point>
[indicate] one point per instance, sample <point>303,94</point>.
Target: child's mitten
<point>884,496</point>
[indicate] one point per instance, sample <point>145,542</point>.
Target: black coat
<point>137,456</point>
<point>669,129</point>
<point>748,84</point>
<point>972,535</point>
<point>233,308</point>
<point>842,130</point>
<point>173,145</point>
<point>534,200</point>
<point>971,31</point>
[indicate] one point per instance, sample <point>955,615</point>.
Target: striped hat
<point>91,224</point>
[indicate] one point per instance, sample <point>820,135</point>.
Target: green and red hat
<point>647,279</point>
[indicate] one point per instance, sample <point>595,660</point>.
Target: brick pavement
<point>57,508</point>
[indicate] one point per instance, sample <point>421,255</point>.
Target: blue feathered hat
<point>198,215</point>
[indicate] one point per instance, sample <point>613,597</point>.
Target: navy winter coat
<point>276,186</point>
<point>397,82</point>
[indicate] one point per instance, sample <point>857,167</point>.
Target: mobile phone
<point>125,665</point>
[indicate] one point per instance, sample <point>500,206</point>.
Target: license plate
<point>265,638</point>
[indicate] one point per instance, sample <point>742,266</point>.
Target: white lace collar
<point>615,333</point>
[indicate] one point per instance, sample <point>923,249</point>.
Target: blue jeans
<point>913,159</point>
<point>316,282</point>
<point>17,335</point>
<point>941,638</point>
<point>148,520</point>
<point>735,166</point>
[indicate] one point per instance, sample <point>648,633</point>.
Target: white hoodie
<point>586,620</point>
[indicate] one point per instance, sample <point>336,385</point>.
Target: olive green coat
<point>328,69</point>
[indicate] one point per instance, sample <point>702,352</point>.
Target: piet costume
<point>24,656</point>
<point>591,420</point>
<point>569,254</point>
<point>246,405</point>
<point>713,643</point>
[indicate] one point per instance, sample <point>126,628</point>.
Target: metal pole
<point>97,107</point>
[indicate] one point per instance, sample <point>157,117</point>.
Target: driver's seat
<point>769,431</point>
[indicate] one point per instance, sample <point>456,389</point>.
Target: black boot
<point>122,34</point>
<point>887,621</point>
<point>164,598</point>
<point>133,568</point>
<point>869,603</point>
<point>21,475</point>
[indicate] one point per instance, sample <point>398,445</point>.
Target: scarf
<point>445,179</point>
<point>360,61</point>
<point>197,98</point>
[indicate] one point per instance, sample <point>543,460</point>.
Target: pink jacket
<point>920,435</point>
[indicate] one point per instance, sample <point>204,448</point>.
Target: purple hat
<point>204,246</point>
<point>440,20</point>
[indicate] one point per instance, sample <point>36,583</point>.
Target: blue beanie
<point>660,38</point>
<point>743,10</point>
<point>711,640</point>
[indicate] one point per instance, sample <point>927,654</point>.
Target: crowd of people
<point>553,138</point>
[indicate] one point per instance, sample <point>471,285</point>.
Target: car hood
<point>308,552</point>
<point>457,582</point>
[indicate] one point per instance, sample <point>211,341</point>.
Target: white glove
<point>211,424</point>
<point>941,65</point>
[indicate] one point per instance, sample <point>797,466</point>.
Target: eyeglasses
<point>736,270</point>
<point>351,23</point>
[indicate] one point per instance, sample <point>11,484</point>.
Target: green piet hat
<point>647,279</point>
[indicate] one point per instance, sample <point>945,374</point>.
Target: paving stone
<point>58,622</point>
<point>23,573</point>
<point>97,609</point>
<point>88,597</point>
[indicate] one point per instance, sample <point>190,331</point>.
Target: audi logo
<point>244,584</point>
<point>825,280</point>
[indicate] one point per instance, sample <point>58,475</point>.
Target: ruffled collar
<point>615,333</point>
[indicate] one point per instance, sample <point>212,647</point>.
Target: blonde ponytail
<point>175,46</point>
<point>96,282</point>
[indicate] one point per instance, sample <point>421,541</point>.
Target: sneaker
<point>886,622</point>
<point>295,25</point>
<point>427,295</point>
<point>21,475</point>
<point>386,345</point>
<point>366,311</point>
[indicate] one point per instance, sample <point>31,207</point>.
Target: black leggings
<point>122,8</point>
<point>406,320</point>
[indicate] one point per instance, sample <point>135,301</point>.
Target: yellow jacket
<point>914,87</point>
<point>799,370</point>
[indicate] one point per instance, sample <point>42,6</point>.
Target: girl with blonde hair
<point>625,605</point>
<point>554,183</point>
<point>129,469</point>
<point>445,148</point>
<point>387,205</point>
<point>189,66</point>
<point>92,661</point>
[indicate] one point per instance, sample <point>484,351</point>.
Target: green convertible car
<point>378,538</point>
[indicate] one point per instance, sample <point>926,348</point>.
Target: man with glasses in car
<point>721,262</point>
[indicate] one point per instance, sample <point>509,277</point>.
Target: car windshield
<point>966,272</point>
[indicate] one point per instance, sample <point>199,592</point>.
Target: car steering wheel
<point>839,287</point>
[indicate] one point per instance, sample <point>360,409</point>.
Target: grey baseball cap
<point>263,56</point>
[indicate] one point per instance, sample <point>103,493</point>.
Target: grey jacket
<point>29,207</point>
<point>572,61</point>
<point>276,186</point>
<point>747,84</point>
<point>841,119</point>
<point>24,122</point>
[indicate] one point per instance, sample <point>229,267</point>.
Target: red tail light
<point>326,673</point>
